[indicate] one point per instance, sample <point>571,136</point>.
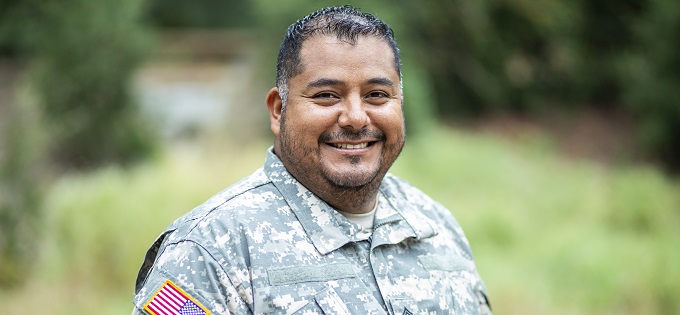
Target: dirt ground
<point>599,135</point>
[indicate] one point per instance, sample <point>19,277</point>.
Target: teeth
<point>351,146</point>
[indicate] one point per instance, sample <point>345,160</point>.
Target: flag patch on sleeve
<point>171,300</point>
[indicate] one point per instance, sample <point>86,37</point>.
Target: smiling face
<point>342,127</point>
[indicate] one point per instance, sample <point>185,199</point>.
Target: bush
<point>651,77</point>
<point>86,55</point>
<point>22,169</point>
<point>65,98</point>
<point>515,56</point>
<point>199,13</point>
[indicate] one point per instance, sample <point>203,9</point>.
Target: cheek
<point>389,119</point>
<point>310,122</point>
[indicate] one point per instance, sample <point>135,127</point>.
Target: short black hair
<point>345,22</point>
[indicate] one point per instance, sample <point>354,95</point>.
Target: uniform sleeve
<point>464,244</point>
<point>482,297</point>
<point>186,275</point>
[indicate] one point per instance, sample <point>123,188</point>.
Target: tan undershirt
<point>364,220</point>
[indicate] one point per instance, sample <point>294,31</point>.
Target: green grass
<point>550,235</point>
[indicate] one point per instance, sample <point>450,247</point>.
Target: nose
<point>353,114</point>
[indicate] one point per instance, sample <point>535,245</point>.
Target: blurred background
<point>551,129</point>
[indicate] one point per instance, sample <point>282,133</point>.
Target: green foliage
<point>22,168</point>
<point>486,56</point>
<point>93,216</point>
<point>603,30</point>
<point>73,62</point>
<point>519,56</point>
<point>86,54</point>
<point>651,77</point>
<point>17,36</point>
<point>199,13</point>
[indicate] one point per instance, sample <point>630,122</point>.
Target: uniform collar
<point>318,219</point>
<point>398,219</point>
<point>329,230</point>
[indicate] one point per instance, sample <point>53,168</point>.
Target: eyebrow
<point>328,82</point>
<point>323,82</point>
<point>381,81</point>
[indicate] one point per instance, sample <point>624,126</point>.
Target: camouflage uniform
<point>269,245</point>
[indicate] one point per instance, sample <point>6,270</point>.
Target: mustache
<point>351,135</point>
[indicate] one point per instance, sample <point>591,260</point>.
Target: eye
<point>325,95</point>
<point>377,94</point>
<point>377,97</point>
<point>327,98</point>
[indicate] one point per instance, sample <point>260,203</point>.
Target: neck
<point>351,200</point>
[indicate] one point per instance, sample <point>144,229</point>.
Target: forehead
<point>328,50</point>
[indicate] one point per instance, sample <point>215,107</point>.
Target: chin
<point>354,181</point>
<point>356,185</point>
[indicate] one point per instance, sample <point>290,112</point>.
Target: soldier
<point>321,228</point>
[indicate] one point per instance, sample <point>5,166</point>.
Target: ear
<point>275,107</point>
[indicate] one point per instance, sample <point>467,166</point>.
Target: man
<point>320,228</point>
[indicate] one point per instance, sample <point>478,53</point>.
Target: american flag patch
<point>171,300</point>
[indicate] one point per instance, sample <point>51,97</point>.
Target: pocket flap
<point>330,302</point>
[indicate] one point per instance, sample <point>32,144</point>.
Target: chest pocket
<point>318,289</point>
<point>326,301</point>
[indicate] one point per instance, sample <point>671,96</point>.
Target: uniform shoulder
<point>394,186</point>
<point>406,196</point>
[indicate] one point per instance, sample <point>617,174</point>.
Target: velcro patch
<point>297,274</point>
<point>171,300</point>
<point>453,263</point>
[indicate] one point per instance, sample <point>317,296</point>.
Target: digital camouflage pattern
<point>269,245</point>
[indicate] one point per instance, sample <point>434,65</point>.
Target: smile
<point>350,146</point>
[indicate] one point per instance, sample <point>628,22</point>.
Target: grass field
<point>550,235</point>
